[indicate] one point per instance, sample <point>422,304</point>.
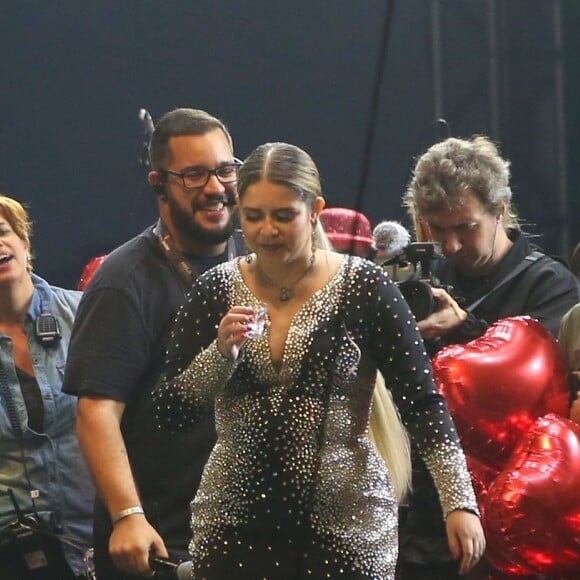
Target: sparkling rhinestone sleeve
<point>194,370</point>
<point>401,357</point>
<point>448,468</point>
<point>202,380</point>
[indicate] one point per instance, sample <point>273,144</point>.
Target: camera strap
<point>523,265</point>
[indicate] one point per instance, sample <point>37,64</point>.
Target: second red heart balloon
<point>532,509</point>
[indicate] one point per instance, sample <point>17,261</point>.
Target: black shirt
<point>545,290</point>
<point>32,399</point>
<point>116,351</point>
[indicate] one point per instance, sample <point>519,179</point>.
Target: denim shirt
<point>46,471</point>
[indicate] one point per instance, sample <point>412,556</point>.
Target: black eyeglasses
<point>197,178</point>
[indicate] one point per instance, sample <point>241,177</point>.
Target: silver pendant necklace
<point>286,291</point>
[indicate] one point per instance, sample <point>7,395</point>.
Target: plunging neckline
<point>278,366</point>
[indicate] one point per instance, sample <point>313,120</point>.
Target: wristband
<point>127,512</point>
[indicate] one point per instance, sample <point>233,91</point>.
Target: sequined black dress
<point>293,481</point>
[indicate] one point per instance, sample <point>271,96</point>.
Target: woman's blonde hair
<point>389,435</point>
<point>284,164</point>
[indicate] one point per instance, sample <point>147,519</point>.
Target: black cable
<point>374,106</point>
<point>10,403</point>
<point>366,160</point>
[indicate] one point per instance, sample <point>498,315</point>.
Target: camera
<point>416,289</point>
<point>30,549</point>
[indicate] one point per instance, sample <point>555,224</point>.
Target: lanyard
<point>184,268</point>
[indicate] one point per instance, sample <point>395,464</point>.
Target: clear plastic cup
<point>257,328</point>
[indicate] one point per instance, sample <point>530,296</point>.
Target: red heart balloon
<point>89,271</point>
<point>532,509</point>
<point>482,476</point>
<point>497,385</point>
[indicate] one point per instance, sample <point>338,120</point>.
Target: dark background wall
<point>74,75</point>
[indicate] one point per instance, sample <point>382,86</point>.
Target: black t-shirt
<point>32,399</point>
<point>116,351</point>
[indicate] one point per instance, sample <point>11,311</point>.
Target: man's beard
<point>194,233</point>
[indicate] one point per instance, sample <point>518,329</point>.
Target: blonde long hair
<point>386,430</point>
<point>391,438</point>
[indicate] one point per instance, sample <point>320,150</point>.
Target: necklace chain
<point>287,291</point>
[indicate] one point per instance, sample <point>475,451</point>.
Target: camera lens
<point>419,298</point>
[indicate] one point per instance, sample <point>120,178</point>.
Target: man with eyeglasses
<point>146,477</point>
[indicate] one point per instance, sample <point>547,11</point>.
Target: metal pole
<point>437,59</point>
<point>561,151</point>
<point>493,70</point>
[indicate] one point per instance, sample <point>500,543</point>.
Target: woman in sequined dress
<point>294,488</point>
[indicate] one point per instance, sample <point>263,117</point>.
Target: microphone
<point>148,128</point>
<point>184,570</point>
<point>147,121</point>
<point>165,568</point>
<point>390,240</point>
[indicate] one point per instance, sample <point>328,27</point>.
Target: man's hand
<point>132,542</point>
<point>466,539</point>
<point>99,432</point>
<point>448,316</point>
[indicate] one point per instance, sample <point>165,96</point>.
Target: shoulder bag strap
<point>523,265</point>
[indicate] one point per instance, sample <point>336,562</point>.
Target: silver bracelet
<point>127,512</point>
